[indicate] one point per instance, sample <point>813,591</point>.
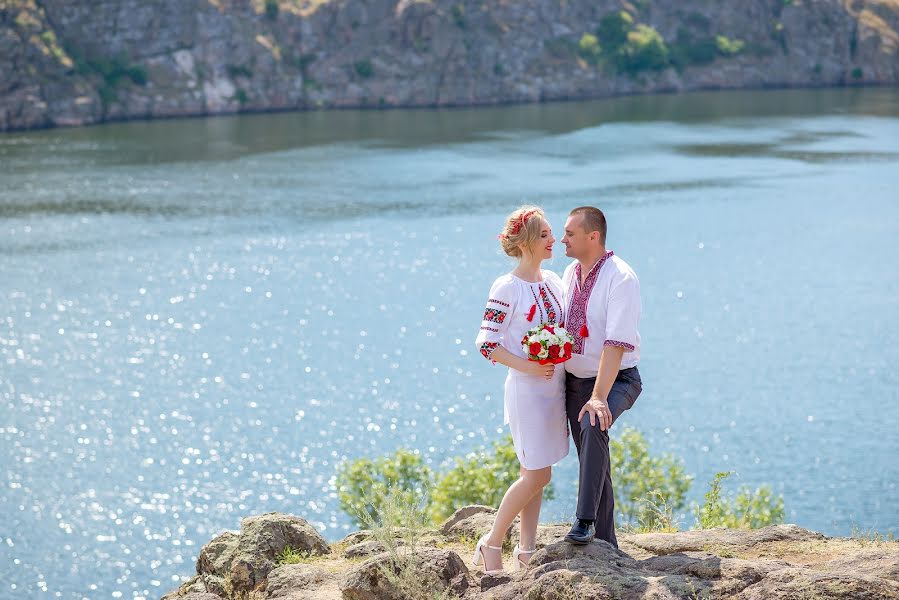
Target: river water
<point>199,319</point>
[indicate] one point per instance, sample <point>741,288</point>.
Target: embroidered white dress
<point>533,407</point>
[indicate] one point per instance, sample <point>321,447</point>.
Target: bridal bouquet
<point>547,343</point>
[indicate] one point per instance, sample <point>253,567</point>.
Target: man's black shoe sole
<point>578,541</point>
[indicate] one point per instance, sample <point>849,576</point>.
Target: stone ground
<point>776,562</point>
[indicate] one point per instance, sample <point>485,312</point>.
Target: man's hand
<point>597,409</point>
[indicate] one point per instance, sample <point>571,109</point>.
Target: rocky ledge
<point>776,562</point>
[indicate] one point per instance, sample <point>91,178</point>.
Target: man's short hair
<point>593,220</point>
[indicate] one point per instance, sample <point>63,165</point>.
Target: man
<point>602,380</point>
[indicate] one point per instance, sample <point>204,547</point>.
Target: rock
<point>233,564</point>
<point>189,58</point>
<point>191,590</point>
<point>464,513</point>
<point>367,581</point>
<point>296,582</point>
<point>214,562</point>
<point>718,540</point>
<point>879,562</point>
<point>476,524</point>
<point>783,562</point>
<point>598,570</point>
<point>790,583</point>
<point>367,548</point>
<point>489,581</point>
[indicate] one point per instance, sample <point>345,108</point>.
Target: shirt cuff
<point>488,348</point>
<point>627,347</point>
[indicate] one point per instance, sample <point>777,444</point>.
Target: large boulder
<point>469,523</point>
<point>234,564</point>
<point>367,581</point>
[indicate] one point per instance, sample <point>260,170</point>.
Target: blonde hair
<point>522,227</point>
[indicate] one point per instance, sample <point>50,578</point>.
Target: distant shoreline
<point>437,107</point>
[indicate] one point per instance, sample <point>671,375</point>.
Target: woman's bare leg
<point>516,498</point>
<point>530,515</point>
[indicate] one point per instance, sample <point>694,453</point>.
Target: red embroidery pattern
<point>487,349</point>
<point>556,300</point>
<point>624,345</point>
<point>550,310</point>
<point>500,302</point>
<point>494,315</point>
<point>580,295</point>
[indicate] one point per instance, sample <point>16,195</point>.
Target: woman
<point>534,402</point>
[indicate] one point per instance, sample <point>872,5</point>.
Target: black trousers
<point>595,499</point>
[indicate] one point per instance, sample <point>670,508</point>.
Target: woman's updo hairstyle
<point>522,228</point>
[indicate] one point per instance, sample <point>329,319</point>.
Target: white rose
<point>533,339</point>
<point>543,353</point>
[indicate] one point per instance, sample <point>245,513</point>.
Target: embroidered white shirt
<point>613,316</point>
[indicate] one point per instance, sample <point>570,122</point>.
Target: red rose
<point>535,348</point>
<point>567,348</point>
<point>549,328</point>
<point>554,351</point>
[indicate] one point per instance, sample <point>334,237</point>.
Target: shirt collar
<point>595,267</point>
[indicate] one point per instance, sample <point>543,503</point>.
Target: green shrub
<point>399,530</point>
<point>241,96</point>
<point>645,50</point>
<point>363,484</point>
<point>748,510</point>
<point>588,48</point>
<point>727,46</point>
<point>857,73</point>
<point>364,69</point>
<point>271,9</point>
<point>638,477</point>
<point>235,71</point>
<point>613,29</point>
<point>687,50</point>
<point>458,11</point>
<point>137,74</point>
<point>481,477</point>
<point>107,95</point>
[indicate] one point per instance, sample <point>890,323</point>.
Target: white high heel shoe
<point>479,555</point>
<point>518,563</point>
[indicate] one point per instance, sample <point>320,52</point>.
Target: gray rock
<point>717,540</point>
<point>367,581</point>
<point>218,58</point>
<point>475,525</point>
<point>296,582</point>
<point>191,590</point>
<point>235,564</point>
<point>464,513</point>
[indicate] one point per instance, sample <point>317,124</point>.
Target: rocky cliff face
<point>72,63</point>
<point>777,562</point>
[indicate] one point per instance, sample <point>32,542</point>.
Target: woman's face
<point>542,247</point>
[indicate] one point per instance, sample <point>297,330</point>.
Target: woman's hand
<point>537,370</point>
<point>529,367</point>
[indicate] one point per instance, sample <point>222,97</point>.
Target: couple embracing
<point>597,300</point>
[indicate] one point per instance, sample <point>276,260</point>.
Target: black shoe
<point>581,533</point>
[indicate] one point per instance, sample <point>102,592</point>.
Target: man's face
<point>576,240</point>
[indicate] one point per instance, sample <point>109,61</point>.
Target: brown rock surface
<point>777,562</point>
